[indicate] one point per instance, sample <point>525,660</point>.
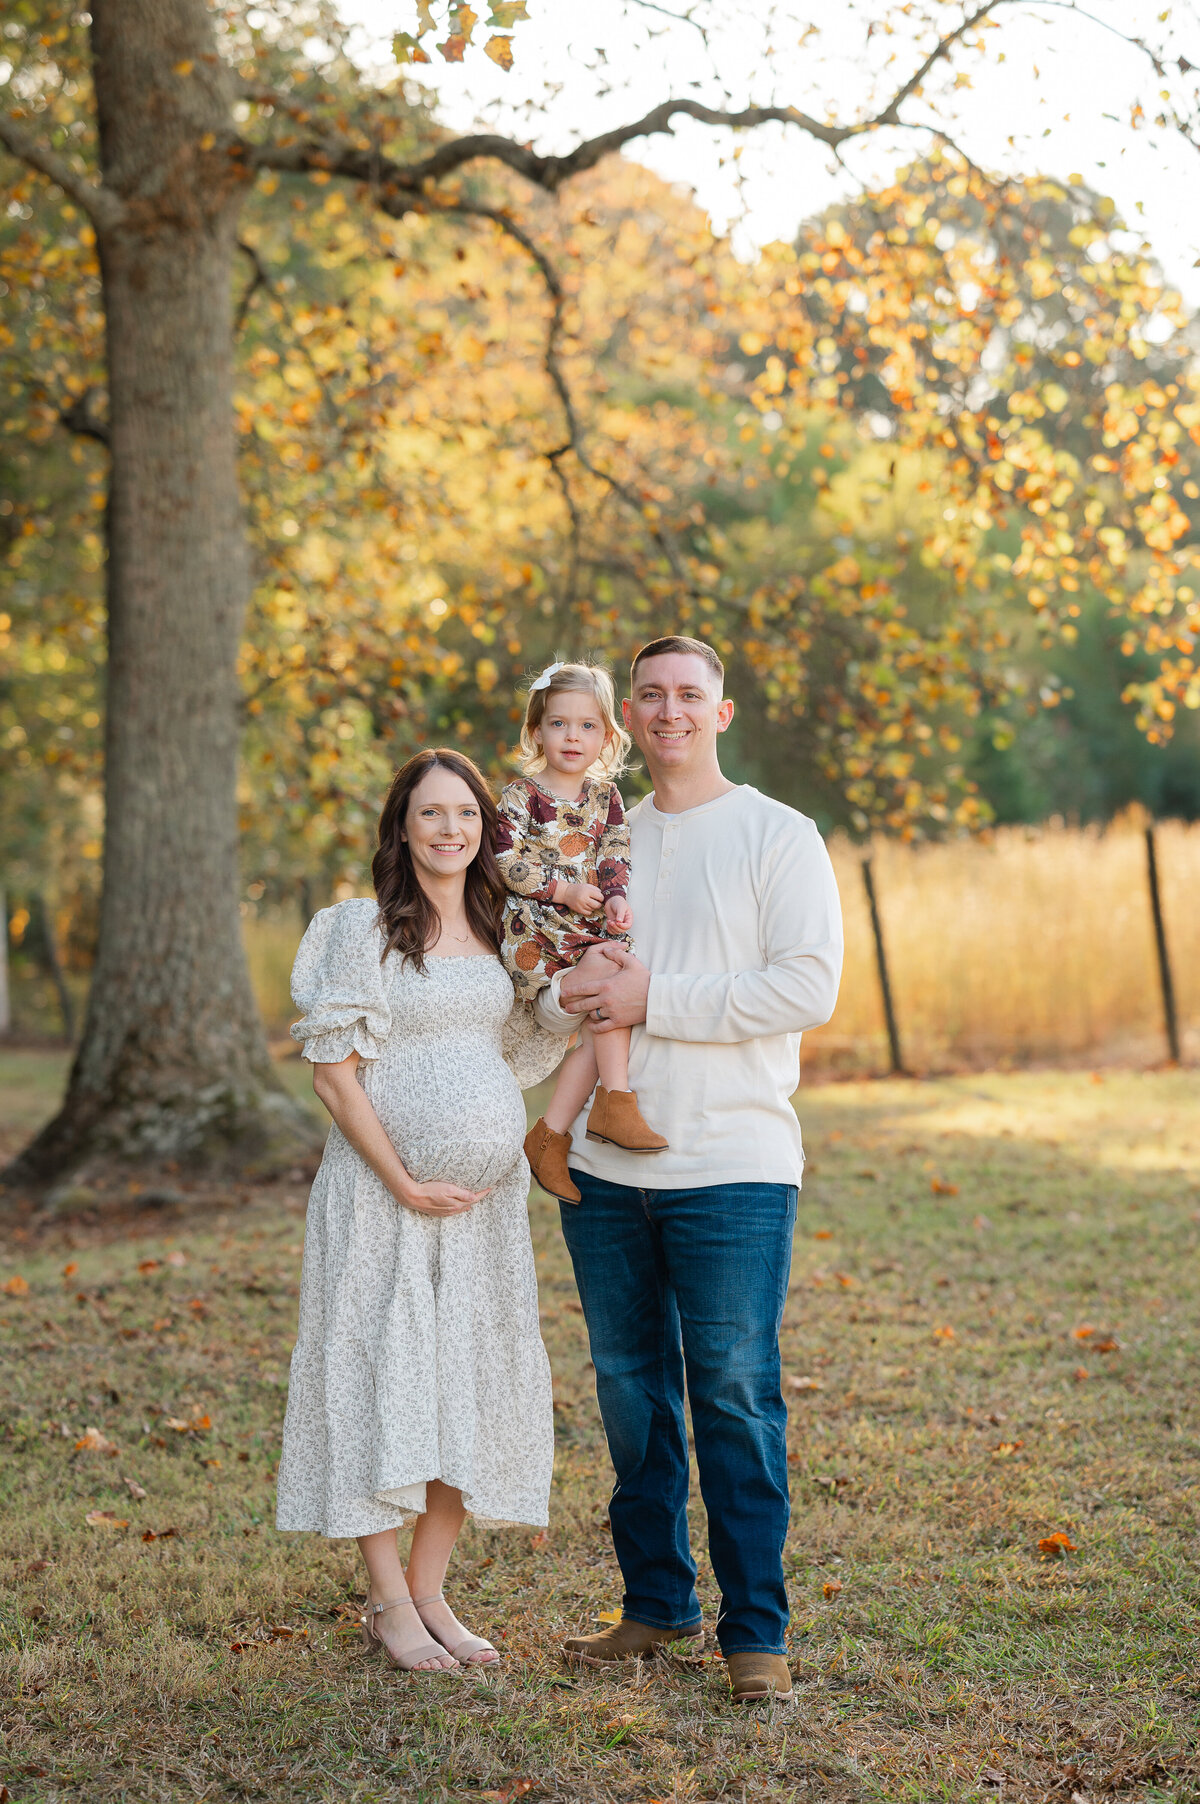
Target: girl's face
<point>572,734</point>
<point>443,826</point>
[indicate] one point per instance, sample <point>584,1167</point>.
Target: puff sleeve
<point>530,1050</point>
<point>338,984</point>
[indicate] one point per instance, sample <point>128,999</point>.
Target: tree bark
<point>173,1060</point>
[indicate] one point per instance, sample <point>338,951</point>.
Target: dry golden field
<point>1033,945</point>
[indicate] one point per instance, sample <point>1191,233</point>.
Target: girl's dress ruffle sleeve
<point>529,1050</point>
<point>338,984</point>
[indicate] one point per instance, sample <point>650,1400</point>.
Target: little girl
<point>563,850</point>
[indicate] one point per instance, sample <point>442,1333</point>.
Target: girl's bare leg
<point>401,1630</point>
<point>612,1057</point>
<point>432,1544</point>
<point>575,1083</point>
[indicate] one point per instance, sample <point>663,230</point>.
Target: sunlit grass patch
<point>965,1251</point>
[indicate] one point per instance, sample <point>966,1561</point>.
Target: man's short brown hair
<point>676,642</point>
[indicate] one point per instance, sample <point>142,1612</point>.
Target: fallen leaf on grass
<point>1057,1544</point>
<point>830,1588</point>
<point>92,1441</point>
<point>845,1280</point>
<point>947,1333</point>
<point>1110,1344</point>
<point>195,1424</point>
<point>162,1534</point>
<point>610,1616</point>
<point>16,1286</point>
<point>539,1541</point>
<point>105,1519</point>
<point>68,1271</point>
<point>823,1234</point>
<point>1079,1374</point>
<point>1005,1449</point>
<point>146,1266</point>
<point>177,1258</point>
<point>1083,1332</point>
<point>36,1566</point>
<point>940,1188</point>
<point>873,1175</point>
<point>806,1384</point>
<point>163,1321</point>
<point>134,1488</point>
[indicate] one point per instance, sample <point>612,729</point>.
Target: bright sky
<point>1059,102</point>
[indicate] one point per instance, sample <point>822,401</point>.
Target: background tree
<point>162,127</point>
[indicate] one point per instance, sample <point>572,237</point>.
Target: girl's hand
<point>618,913</point>
<point>439,1199</point>
<point>580,898</point>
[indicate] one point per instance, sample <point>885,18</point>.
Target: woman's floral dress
<point>542,840</point>
<point>419,1353</point>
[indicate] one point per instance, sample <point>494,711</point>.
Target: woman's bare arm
<point>339,1089</point>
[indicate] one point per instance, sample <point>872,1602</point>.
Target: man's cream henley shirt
<point>736,913</point>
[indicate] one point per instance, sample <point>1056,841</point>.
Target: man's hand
<point>580,898</point>
<point>618,913</point>
<point>615,1001</point>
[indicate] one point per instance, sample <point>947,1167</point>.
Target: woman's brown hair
<point>409,919</point>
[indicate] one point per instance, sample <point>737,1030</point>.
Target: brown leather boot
<point>615,1117</point>
<point>625,1640</point>
<point>547,1154</point>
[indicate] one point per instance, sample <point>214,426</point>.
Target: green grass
<point>944,1432</point>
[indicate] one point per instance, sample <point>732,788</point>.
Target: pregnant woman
<point>419,1383</point>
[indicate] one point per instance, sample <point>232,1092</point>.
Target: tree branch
<point>101,205</point>
<point>80,419</point>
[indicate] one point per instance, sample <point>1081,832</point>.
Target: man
<point>682,1257</point>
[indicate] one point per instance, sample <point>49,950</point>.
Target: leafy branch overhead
<point>458,21</point>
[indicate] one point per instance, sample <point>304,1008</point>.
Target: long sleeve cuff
<point>549,1011</point>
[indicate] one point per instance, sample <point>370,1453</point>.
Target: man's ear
<point>724,714</point>
<point>625,710</point>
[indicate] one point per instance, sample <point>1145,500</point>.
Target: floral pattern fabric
<point>542,840</point>
<point>419,1353</point>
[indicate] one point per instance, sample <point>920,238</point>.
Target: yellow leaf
<point>184,68</point>
<point>610,1616</point>
<point>500,51</point>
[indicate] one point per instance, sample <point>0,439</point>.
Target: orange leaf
<point>830,1588</point>
<point>1056,1545</point>
<point>105,1519</point>
<point>1083,1331</point>
<point>1005,1449</point>
<point>823,1234</point>
<point>946,1333</point>
<point>68,1271</point>
<point>540,1540</point>
<point>147,1265</point>
<point>1079,1374</point>
<point>16,1287</point>
<point>1110,1344</point>
<point>92,1441</point>
<point>453,49</point>
<point>164,1534</point>
<point>845,1280</point>
<point>940,1188</point>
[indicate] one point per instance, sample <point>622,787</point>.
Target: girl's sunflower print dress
<point>542,840</point>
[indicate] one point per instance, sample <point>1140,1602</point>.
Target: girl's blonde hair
<point>577,679</point>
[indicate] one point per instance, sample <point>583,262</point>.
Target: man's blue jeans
<point>691,1280</point>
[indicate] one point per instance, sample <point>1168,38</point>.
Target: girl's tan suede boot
<point>547,1153</point>
<point>615,1117</point>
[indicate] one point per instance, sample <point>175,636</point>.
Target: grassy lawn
<point>991,1339</point>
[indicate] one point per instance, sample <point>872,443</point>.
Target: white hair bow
<point>543,682</point>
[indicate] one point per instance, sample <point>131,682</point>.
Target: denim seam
<point>780,1650</point>
<point>681,1628</point>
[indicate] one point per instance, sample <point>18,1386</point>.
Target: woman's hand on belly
<point>437,1198</point>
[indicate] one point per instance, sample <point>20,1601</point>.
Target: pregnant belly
<point>457,1121</point>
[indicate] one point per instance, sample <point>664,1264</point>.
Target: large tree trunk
<point>173,1061</point>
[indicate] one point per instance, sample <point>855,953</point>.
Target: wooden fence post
<point>5,1011</point>
<point>1160,941</point>
<point>889,1012</point>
